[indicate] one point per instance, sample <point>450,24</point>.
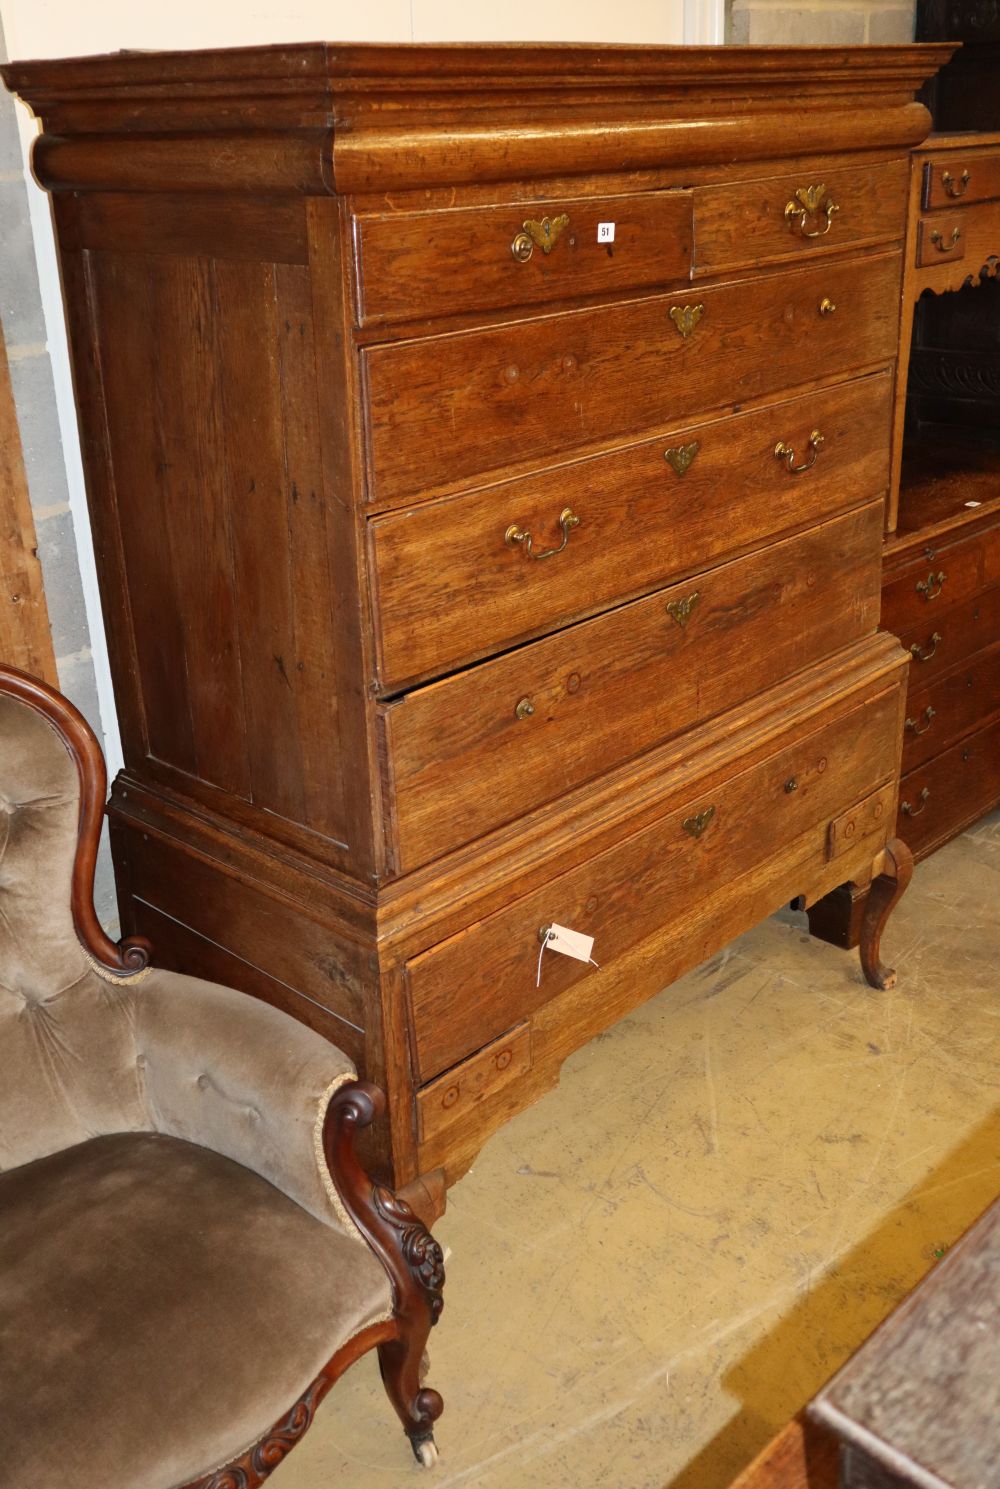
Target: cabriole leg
<point>886,891</point>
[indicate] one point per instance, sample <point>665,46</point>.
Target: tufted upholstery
<point>176,1266</point>
<point>84,1057</point>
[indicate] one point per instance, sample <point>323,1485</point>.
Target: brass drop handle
<point>827,306</point>
<point>922,655</point>
<point>932,586</point>
<point>941,245</point>
<point>514,535</point>
<point>785,452</point>
<point>909,810</point>
<point>929,714</point>
<point>811,202</point>
<point>948,182</point>
<point>696,825</point>
<point>544,232</point>
<point>525,708</point>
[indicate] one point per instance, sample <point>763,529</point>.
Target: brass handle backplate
<point>929,714</point>
<point>948,182</point>
<point>932,586</point>
<point>545,232</point>
<point>922,655</point>
<point>909,810</point>
<point>785,452</point>
<point>809,204</point>
<point>696,825</point>
<point>941,245</point>
<point>686,317</point>
<point>514,535</point>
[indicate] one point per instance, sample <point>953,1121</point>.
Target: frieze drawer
<point>533,724</point>
<point>464,578</point>
<point>446,410</point>
<point>443,262</point>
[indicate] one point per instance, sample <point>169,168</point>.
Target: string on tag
<point>549,936</point>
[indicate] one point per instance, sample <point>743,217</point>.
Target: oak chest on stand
<point>487,451</point>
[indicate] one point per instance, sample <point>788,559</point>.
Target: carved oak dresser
<point>487,451</point>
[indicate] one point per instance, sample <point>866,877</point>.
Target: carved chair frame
<point>411,1257</point>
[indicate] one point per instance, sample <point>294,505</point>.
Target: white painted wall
<point>64,28</point>
<point>61,28</point>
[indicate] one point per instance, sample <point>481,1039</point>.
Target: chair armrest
<point>231,1073</point>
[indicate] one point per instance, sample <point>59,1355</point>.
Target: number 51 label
<point>605,232</point>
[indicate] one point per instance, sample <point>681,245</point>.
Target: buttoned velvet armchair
<point>190,1251</point>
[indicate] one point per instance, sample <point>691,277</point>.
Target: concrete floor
<point>660,1262</point>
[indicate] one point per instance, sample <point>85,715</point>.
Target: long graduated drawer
<point>482,982</point>
<point>455,583</point>
<point>444,410</point>
<point>486,745</point>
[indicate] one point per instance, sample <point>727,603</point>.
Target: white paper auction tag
<point>570,943</point>
<point>605,232</point>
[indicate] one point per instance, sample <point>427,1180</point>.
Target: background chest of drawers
<point>487,452</point>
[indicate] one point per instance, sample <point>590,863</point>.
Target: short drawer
<point>456,582</point>
<point>967,178</point>
<point>945,794</point>
<point>787,216</point>
<point>933,582</point>
<point>487,745</point>
<point>940,239</point>
<point>948,637</point>
<point>444,411</point>
<point>417,264</point>
<point>956,705</point>
<point>476,985</point>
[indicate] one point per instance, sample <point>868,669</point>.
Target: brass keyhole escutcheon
<point>686,317</point>
<point>543,232</point>
<point>680,610</point>
<point>696,825</point>
<point>681,457</point>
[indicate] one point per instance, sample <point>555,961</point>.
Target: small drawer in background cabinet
<point>935,581</point>
<point>937,799</point>
<point>967,178</point>
<point>938,715</point>
<point>940,239</point>
<point>948,637</point>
